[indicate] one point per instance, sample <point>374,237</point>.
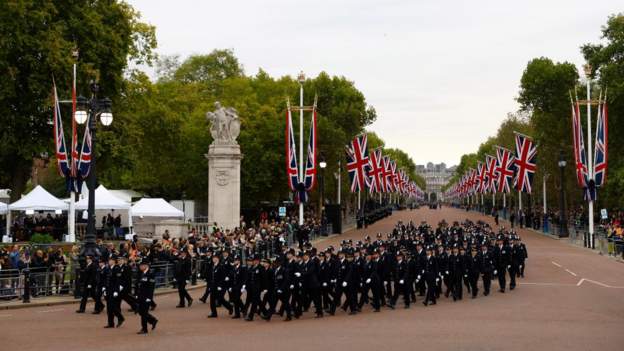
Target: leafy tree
<point>38,38</point>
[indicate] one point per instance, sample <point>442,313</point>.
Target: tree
<point>38,40</point>
<point>607,61</point>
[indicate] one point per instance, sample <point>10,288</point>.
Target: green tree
<point>38,38</point>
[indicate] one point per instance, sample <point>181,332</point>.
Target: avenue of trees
<point>159,136</point>
<point>545,114</point>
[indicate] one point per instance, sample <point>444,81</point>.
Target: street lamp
<point>89,110</point>
<point>322,164</point>
<point>563,226</point>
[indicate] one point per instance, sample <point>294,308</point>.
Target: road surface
<point>570,299</point>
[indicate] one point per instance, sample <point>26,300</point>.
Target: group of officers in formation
<point>381,272</point>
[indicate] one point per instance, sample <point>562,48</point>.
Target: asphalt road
<point>570,299</point>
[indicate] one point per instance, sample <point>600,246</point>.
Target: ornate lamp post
<point>88,110</point>
<point>563,226</point>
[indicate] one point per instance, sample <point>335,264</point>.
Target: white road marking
<point>580,282</point>
<point>569,271</point>
<point>556,264</point>
<point>48,311</point>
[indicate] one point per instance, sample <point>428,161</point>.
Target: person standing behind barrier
<point>145,296</point>
<point>89,286</point>
<point>111,291</point>
<point>182,272</point>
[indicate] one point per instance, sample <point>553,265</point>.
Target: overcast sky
<point>442,75</point>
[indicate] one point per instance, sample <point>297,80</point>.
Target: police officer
<point>281,282</point>
<point>254,285</point>
<point>473,268</point>
<point>181,273</point>
<point>371,280</point>
<point>502,262</point>
<point>401,281</point>
<point>487,268</point>
<point>325,267</point>
<point>456,270</point>
<point>311,283</point>
<point>126,284</point>
<point>431,276</point>
<point>89,286</point>
<point>238,276</point>
<point>112,288</point>
<point>217,289</point>
<point>145,296</point>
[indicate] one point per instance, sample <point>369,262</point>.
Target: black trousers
<point>350,297</point>
<point>236,301</point>
<point>284,299</point>
<point>502,282</point>
<point>146,317</point>
<point>376,290</point>
<point>216,296</point>
<point>473,278</point>
<point>487,282</point>
<point>432,290</point>
<point>253,301</point>
<point>130,300</point>
<point>456,286</point>
<point>521,271</point>
<point>388,289</point>
<point>90,293</point>
<point>326,299</point>
<point>182,293</point>
<point>401,289</point>
<point>113,309</point>
<point>513,271</point>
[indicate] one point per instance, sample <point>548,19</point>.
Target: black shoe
<point>154,324</point>
<point>109,326</point>
<point>376,310</point>
<point>512,287</point>
<point>213,315</point>
<point>80,311</point>
<point>120,322</point>
<point>230,310</point>
<point>391,306</point>
<point>142,331</point>
<point>96,312</point>
<point>190,302</point>
<point>288,319</point>
<point>319,315</point>
<point>237,316</point>
<point>202,299</point>
<point>425,303</point>
<point>153,307</point>
<point>352,313</point>
<point>501,290</point>
<point>249,319</point>
<point>180,306</point>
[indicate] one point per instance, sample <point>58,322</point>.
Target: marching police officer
<point>89,286</point>
<point>145,296</point>
<point>181,273</point>
<point>487,268</point>
<point>217,289</point>
<point>111,290</point>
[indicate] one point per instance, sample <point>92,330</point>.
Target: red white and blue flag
<point>600,156</point>
<point>525,162</point>
<point>358,162</point>
<point>504,169</point>
<point>386,175</point>
<point>59,137</point>
<point>580,155</point>
<point>310,168</point>
<point>292,167</point>
<point>375,171</point>
<point>492,176</point>
<point>84,162</point>
<point>481,178</point>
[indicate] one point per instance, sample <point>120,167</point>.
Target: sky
<point>442,75</point>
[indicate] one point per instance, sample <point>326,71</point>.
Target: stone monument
<point>224,158</point>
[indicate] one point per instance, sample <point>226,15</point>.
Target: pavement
<point>570,299</point>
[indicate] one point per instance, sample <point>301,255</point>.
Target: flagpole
<point>339,180</point>
<point>301,161</point>
<point>590,155</point>
<point>504,200</point>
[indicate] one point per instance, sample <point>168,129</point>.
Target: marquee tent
<point>104,200</point>
<point>38,200</point>
<point>155,208</point>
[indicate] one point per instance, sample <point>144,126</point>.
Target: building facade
<point>436,176</point>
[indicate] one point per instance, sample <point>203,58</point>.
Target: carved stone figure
<point>224,124</point>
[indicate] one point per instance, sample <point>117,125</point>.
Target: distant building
<point>436,176</point>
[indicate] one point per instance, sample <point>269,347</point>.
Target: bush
<point>40,238</point>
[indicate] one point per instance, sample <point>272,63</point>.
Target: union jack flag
<point>600,158</point>
<point>579,147</point>
<point>526,155</point>
<point>504,169</point>
<point>358,163</point>
<point>386,175</point>
<point>84,162</point>
<point>310,168</point>
<point>292,169</point>
<point>492,175</point>
<point>375,171</point>
<point>481,178</point>
<point>59,137</point>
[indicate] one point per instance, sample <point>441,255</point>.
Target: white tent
<point>155,208</point>
<point>3,208</point>
<point>38,200</point>
<point>104,200</point>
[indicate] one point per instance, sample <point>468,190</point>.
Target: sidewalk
<point>67,300</point>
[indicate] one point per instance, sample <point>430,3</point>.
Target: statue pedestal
<point>224,185</point>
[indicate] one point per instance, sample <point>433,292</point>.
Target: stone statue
<point>225,125</point>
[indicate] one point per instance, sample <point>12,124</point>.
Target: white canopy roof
<point>155,208</point>
<point>3,208</point>
<point>38,200</point>
<point>104,200</point>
